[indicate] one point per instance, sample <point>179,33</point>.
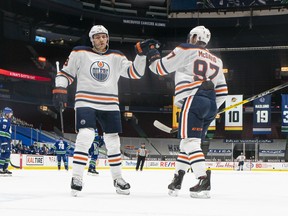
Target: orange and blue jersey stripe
<point>66,75</point>
<point>97,98</point>
<point>186,86</point>
<point>160,69</point>
<point>221,90</point>
<point>132,72</point>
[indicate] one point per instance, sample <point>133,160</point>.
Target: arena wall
<point>36,162</point>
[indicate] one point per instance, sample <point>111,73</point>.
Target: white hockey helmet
<point>97,29</point>
<point>203,34</point>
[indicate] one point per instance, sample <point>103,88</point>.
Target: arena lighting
<point>19,75</point>
<point>44,108</point>
<point>284,69</point>
<point>41,59</point>
<point>225,70</point>
<point>128,115</point>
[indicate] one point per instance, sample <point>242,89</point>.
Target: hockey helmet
<point>97,29</point>
<point>7,111</point>
<point>203,34</point>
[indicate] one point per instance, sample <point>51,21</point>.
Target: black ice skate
<point>76,185</point>
<point>5,173</point>
<point>122,187</point>
<point>176,183</point>
<point>92,172</point>
<point>201,190</point>
<point>2,173</point>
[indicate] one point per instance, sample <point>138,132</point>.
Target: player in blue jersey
<point>60,149</point>
<point>94,152</point>
<point>5,140</point>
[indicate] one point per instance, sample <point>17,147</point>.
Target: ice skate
<point>5,173</point>
<point>92,172</point>
<point>202,189</point>
<point>8,173</point>
<point>2,173</point>
<point>122,187</point>
<point>76,186</point>
<point>176,183</point>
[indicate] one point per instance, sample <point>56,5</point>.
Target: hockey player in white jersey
<point>241,158</point>
<point>200,89</point>
<point>97,70</point>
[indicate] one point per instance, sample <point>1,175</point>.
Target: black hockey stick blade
<point>17,167</point>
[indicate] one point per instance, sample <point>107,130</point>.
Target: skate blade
<point>6,175</point>
<point>122,192</point>
<point>173,193</point>
<point>74,193</point>
<point>92,174</point>
<point>200,195</point>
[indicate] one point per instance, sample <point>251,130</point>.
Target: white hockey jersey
<point>97,76</point>
<point>241,158</point>
<point>192,65</point>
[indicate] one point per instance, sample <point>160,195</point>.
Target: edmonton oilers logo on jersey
<point>100,71</point>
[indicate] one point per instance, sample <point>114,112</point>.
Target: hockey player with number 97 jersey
<point>200,89</point>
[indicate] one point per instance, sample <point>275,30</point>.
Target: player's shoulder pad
<point>83,48</point>
<point>110,51</point>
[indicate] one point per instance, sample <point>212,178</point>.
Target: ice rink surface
<point>47,192</point>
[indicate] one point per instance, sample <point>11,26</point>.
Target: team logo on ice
<point>100,71</point>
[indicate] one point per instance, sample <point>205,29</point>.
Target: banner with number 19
<point>262,115</point>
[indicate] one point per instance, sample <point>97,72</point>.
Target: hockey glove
<point>153,55</point>
<point>60,98</point>
<point>142,48</point>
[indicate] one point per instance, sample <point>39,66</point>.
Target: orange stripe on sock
<point>114,160</point>
<point>196,156</point>
<point>80,158</point>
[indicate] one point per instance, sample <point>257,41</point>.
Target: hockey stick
<point>17,167</point>
<point>61,106</point>
<point>167,129</point>
<point>254,97</point>
<point>164,128</point>
<point>61,117</point>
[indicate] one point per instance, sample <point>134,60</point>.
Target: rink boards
<point>24,161</point>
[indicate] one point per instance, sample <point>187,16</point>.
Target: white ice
<point>43,192</point>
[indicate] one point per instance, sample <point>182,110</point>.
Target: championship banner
<point>234,117</point>
<point>284,114</point>
<point>262,115</point>
<point>175,115</point>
